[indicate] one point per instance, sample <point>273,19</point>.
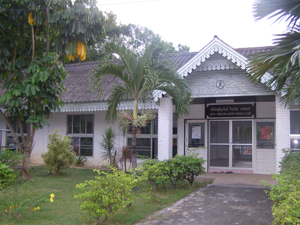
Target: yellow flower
<point>51,200</point>
<point>38,208</point>
<point>52,195</point>
<point>34,209</point>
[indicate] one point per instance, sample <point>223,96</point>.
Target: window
<point>10,141</point>
<point>81,128</point>
<point>265,135</point>
<point>147,142</point>
<point>295,130</point>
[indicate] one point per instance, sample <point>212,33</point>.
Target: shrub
<point>188,167</point>
<point>7,176</point>
<point>156,173</point>
<point>11,158</point>
<point>286,194</point>
<point>60,154</point>
<point>173,170</point>
<point>80,160</point>
<point>109,192</point>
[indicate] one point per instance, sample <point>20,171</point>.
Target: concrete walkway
<point>231,199</point>
<point>236,179</point>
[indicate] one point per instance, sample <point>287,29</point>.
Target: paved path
<point>231,200</point>
<point>217,205</point>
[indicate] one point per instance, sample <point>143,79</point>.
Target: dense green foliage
<point>34,35</point>
<point>286,194</point>
<point>179,168</point>
<point>108,192</point>
<point>11,158</point>
<point>7,175</point>
<point>60,154</point>
<point>284,61</point>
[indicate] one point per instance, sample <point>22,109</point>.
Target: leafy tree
<point>284,61</point>
<point>139,75</point>
<point>34,36</point>
<point>132,36</point>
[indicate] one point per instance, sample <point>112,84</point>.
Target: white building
<point>234,124</point>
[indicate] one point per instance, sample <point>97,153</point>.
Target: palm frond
<point>279,9</point>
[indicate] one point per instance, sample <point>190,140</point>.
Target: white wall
<point>59,121</point>
<point>282,130</point>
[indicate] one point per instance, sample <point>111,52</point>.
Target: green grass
<point>66,210</point>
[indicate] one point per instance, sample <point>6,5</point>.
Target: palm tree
<point>284,61</point>
<point>136,76</point>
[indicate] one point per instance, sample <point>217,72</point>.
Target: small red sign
<point>265,132</point>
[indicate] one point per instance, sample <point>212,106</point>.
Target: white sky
<point>195,22</point>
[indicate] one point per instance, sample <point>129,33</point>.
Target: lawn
<point>66,210</point>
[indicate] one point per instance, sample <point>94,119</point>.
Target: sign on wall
<point>238,110</point>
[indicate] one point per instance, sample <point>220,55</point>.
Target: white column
<point>165,128</point>
<point>282,130</point>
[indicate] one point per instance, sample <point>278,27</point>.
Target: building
<point>234,124</point>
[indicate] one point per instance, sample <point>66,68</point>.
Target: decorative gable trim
<point>95,107</point>
<point>215,46</point>
<point>198,62</point>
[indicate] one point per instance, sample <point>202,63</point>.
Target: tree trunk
<point>26,167</point>
<point>133,146</point>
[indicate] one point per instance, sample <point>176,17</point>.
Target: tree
<point>284,61</point>
<point>136,76</point>
<point>34,36</point>
<point>132,36</point>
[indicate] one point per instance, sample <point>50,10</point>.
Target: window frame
<point>293,137</point>
<point>81,135</point>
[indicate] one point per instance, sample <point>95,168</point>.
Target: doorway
<point>230,144</point>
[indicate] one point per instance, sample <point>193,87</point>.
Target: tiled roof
<point>78,82</point>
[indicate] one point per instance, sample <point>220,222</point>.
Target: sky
<point>195,22</point>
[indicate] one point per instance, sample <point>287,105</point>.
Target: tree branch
<point>33,45</point>
<point>52,68</point>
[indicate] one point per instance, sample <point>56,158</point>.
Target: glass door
<point>219,144</point>
<point>231,144</point>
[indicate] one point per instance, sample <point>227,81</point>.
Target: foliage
<point>80,160</point>
<point>7,176</point>
<point>139,75</point>
<point>108,145</point>
<point>59,155</point>
<point>125,155</point>
<point>159,173</point>
<point>286,194</point>
<point>109,192</point>
<point>34,35</point>
<point>11,158</point>
<point>134,37</point>
<point>283,61</point>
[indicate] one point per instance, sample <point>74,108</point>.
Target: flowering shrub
<point>109,192</point>
<point>16,208</point>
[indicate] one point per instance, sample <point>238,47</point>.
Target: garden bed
<point>66,210</point>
